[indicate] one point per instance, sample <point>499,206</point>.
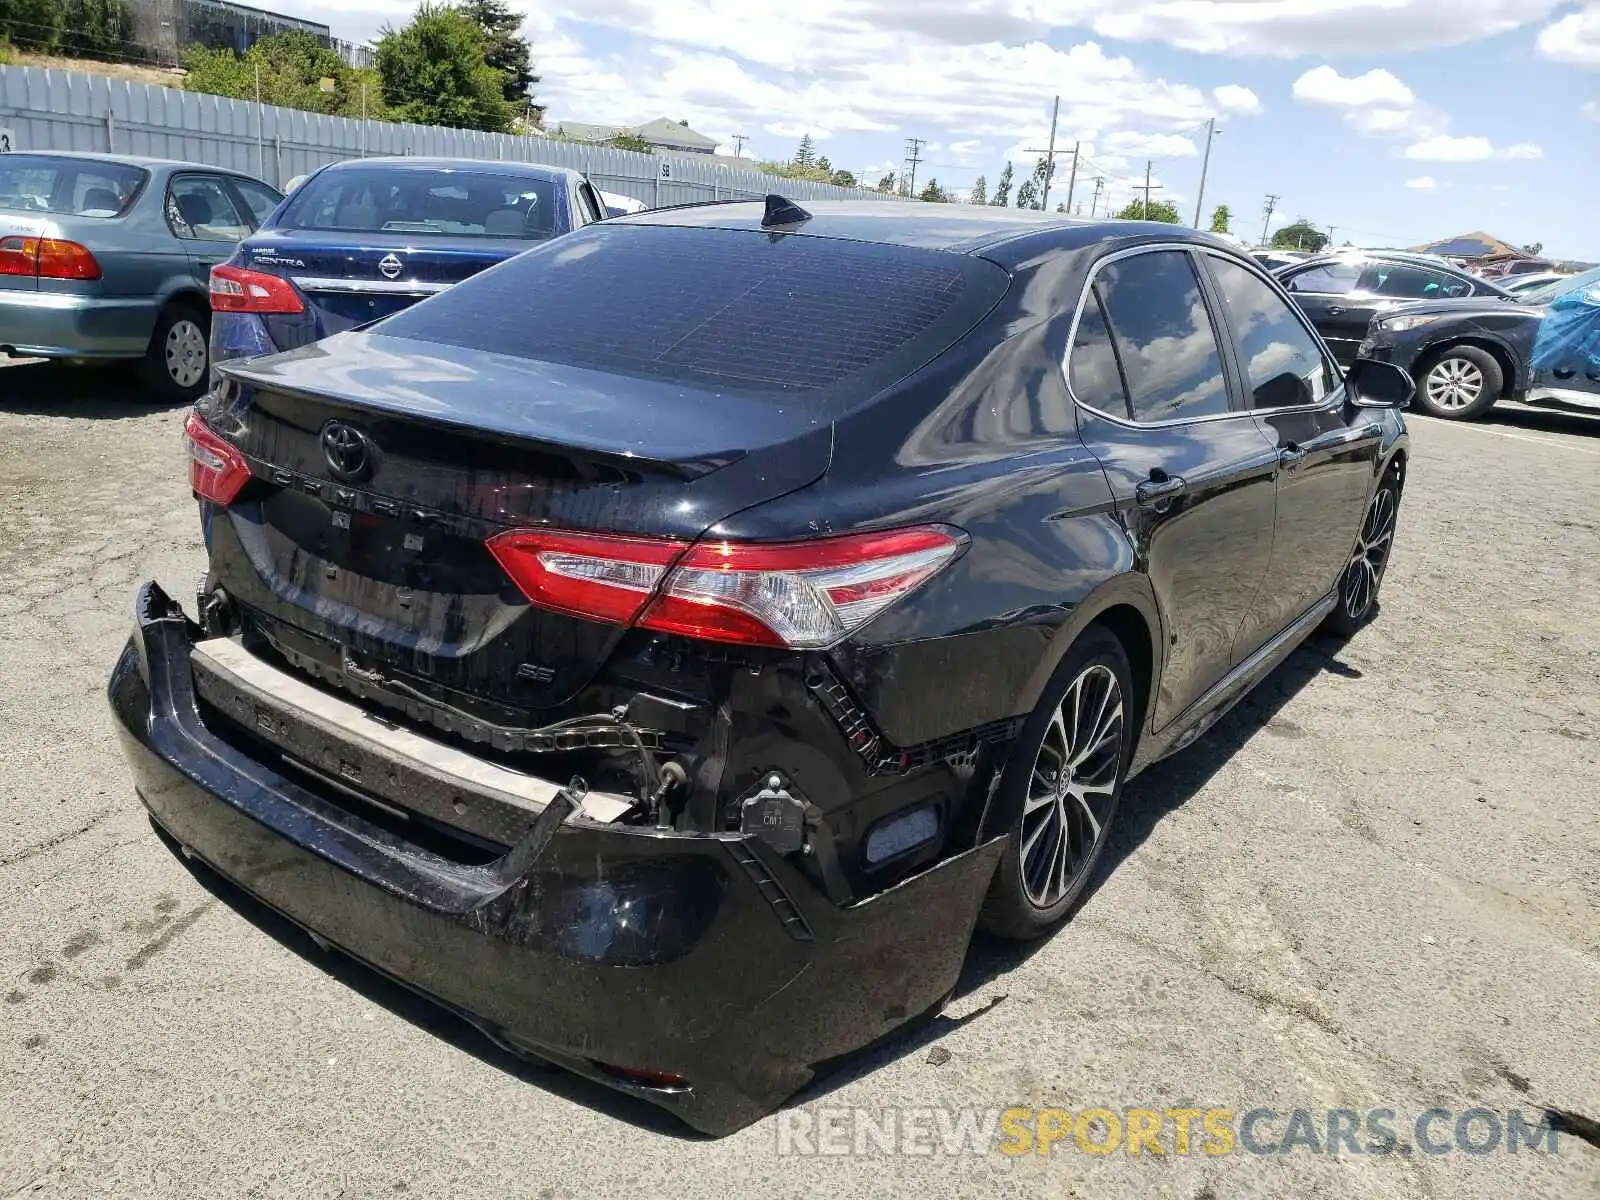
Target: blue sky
<point>1395,121</point>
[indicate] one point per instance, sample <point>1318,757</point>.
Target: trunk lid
<point>349,279</point>
<point>375,559</point>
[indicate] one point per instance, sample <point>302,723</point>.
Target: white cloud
<point>1423,183</point>
<point>1521,150</point>
<point>1239,101</point>
<point>797,130</point>
<point>966,147</point>
<point>1574,38</point>
<point>1450,149</point>
<point>1324,85</point>
<point>1591,109</point>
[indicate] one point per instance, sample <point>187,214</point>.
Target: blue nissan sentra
<point>362,239</point>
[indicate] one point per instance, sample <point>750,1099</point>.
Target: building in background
<point>166,28</point>
<point>662,135</point>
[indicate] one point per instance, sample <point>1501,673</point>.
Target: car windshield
<point>75,187</point>
<point>1559,287</point>
<point>462,203</point>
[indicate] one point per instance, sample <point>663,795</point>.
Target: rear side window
<point>1330,279</point>
<point>461,203</point>
<point>1165,347</point>
<point>733,310</point>
<point>260,198</point>
<point>70,187</point>
<point>1403,281</point>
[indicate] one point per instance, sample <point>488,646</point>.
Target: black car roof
<point>1004,235</point>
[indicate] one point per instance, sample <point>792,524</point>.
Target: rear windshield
<point>463,203</point>
<point>723,309</point>
<point>69,186</point>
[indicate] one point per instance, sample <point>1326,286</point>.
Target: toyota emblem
<point>391,266</point>
<point>349,451</point>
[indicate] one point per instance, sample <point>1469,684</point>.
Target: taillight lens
<point>800,595</point>
<point>235,289</point>
<point>601,576</point>
<point>47,258</point>
<point>19,256</point>
<point>216,469</point>
<point>59,259</point>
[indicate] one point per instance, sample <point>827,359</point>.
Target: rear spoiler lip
<point>687,468</point>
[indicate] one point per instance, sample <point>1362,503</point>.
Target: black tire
<point>1459,383</point>
<point>175,367</point>
<point>1018,904</point>
<point>1357,601</point>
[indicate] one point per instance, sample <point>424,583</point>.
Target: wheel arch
<point>1126,606</point>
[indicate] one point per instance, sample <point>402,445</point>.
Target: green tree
<point>886,183</point>
<point>805,154</point>
<point>292,68</point>
<point>1156,210</point>
<point>629,140</point>
<point>434,72</point>
<point>843,178</point>
<point>99,29</point>
<point>980,191</point>
<point>1533,248</point>
<point>1221,218</point>
<point>822,164</point>
<point>1002,188</point>
<point>933,193</point>
<point>1031,193</point>
<point>504,48</point>
<point>1300,235</point>
<point>34,24</point>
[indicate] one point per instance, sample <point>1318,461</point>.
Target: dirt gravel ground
<point>1375,885</point>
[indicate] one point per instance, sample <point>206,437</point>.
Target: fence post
<point>111,133</point>
<point>277,161</point>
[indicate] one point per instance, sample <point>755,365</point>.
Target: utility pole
<point>913,157</point>
<point>1205,166</point>
<point>1272,204</point>
<point>1099,186</point>
<point>1330,237</point>
<point>739,139</point>
<point>1049,156</point>
<point>1147,188</point>
<point>1072,179</point>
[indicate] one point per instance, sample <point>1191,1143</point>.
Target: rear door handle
<point>1289,456</point>
<point>1159,493</point>
<point>1335,310</point>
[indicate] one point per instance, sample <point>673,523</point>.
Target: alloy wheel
<point>1454,383</point>
<point>1371,555</point>
<point>1072,786</point>
<point>186,353</point>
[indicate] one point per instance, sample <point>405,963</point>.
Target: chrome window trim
<point>1190,248</point>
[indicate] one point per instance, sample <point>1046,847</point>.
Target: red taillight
<point>216,469</point>
<point>596,575</point>
<point>47,258</point>
<point>19,256</point>
<point>235,289</point>
<point>796,594</point>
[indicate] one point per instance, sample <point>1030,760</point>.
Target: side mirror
<point>1373,384</point>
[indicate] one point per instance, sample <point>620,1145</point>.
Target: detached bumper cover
<point>706,957</point>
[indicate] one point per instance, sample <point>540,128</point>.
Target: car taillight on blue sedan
<point>238,290</point>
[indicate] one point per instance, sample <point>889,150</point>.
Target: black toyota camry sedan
<point>671,675</point>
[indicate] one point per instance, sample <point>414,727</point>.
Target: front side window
<point>1330,279</point>
<point>1160,329</point>
<point>1283,365</point>
<point>260,198</point>
<point>200,209</point>
<point>1404,281</point>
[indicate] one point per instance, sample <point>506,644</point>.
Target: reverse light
<point>801,595</point>
<point>238,290</point>
<point>47,258</point>
<point>216,469</point>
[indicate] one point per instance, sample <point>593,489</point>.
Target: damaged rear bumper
<point>605,948</point>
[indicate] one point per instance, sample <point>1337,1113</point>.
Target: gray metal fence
<point>44,109</point>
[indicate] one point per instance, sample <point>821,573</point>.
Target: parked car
<point>362,239</point>
<point>106,257</point>
<point>1517,284</point>
<point>1274,260</point>
<point>1541,347</point>
<point>1341,292</point>
<point>673,676</point>
<point>619,205</point>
